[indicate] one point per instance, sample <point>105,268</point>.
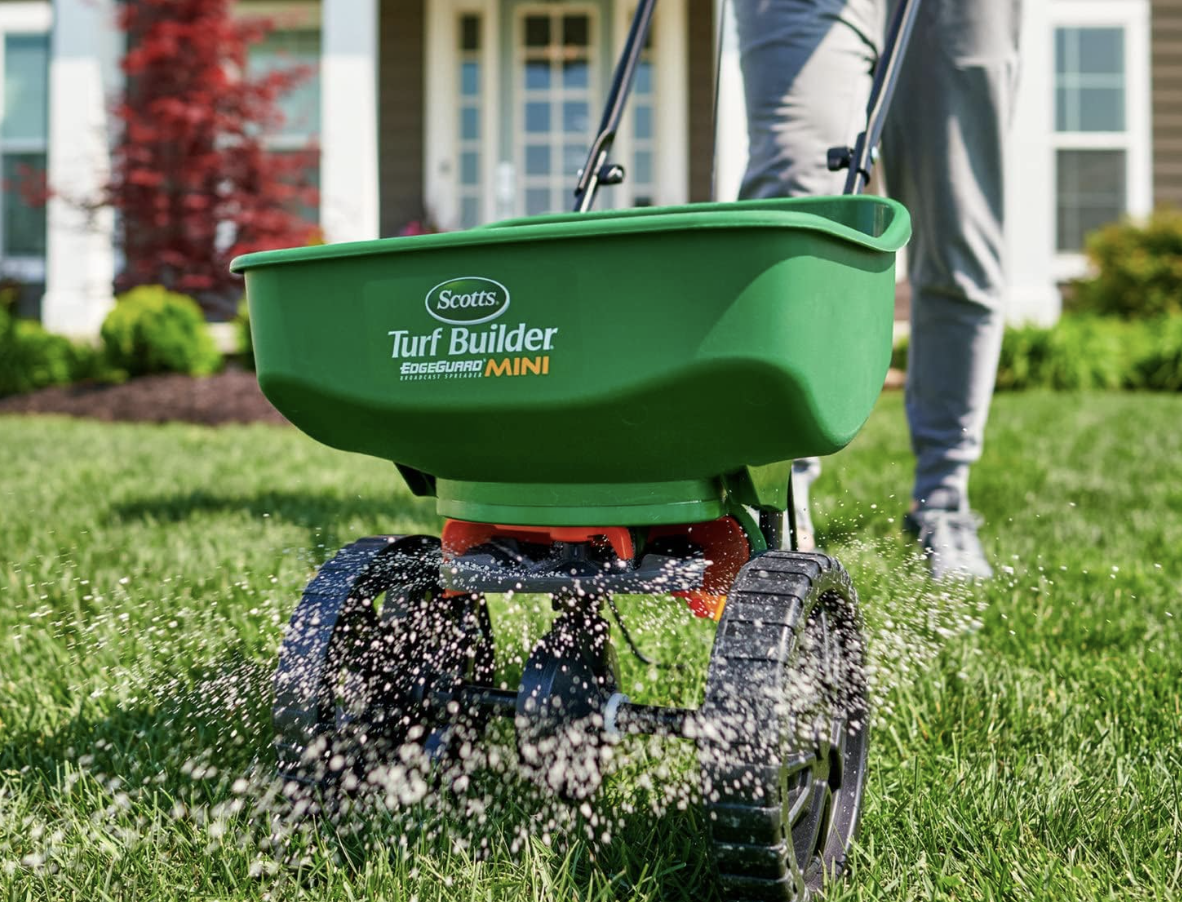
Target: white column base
<point>78,315</point>
<point>1038,305</point>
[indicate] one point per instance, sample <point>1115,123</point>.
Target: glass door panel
<point>556,71</point>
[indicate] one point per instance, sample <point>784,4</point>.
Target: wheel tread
<point>766,611</point>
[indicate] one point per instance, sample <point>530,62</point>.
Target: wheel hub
<point>564,689</point>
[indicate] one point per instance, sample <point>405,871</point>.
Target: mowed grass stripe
<point>1029,734</point>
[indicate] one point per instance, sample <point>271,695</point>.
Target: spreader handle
<point>860,158</point>
<point>595,170</point>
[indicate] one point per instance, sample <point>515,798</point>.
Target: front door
<point>553,75</point>
<point>530,80</point>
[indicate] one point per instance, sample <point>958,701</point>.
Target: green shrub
<point>153,330</point>
<point>899,353</point>
<point>1139,269</point>
<point>1077,354</point>
<point>245,342</point>
<point>32,358</point>
<point>1088,352</point>
<point>1159,363</point>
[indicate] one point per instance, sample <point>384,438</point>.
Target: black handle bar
<point>596,170</point>
<point>859,159</point>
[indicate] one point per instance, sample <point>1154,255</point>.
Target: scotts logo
<point>469,300</point>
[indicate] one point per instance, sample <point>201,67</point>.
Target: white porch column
<point>672,62</point>
<point>349,120</point>
<point>80,260</point>
<point>730,129</point>
<point>1030,174</point>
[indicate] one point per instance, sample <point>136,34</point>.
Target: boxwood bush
<point>153,330</point>
<point>1083,352</point>
<point>32,358</point>
<point>1138,269</point>
<point>1078,354</point>
<point>1159,365</point>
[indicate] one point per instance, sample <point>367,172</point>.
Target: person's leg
<point>806,75</point>
<point>806,72</point>
<point>943,155</point>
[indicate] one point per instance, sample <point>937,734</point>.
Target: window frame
<point>294,16</point>
<point>299,140</point>
<point>1136,141</point>
<point>25,18</point>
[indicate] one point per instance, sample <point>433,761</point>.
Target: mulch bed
<point>230,397</point>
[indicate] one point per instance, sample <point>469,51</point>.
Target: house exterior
<point>451,113</point>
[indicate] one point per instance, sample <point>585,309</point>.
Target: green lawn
<point>1028,742</point>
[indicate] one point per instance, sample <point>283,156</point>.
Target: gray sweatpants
<point>807,68</point>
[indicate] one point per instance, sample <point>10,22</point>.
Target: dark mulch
<point>230,397</point>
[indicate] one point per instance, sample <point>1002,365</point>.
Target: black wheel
<point>782,742</point>
<point>370,643</point>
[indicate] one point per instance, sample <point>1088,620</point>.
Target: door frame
<point>441,64</point>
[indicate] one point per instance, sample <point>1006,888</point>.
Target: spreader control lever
<point>611,174</point>
<point>839,158</point>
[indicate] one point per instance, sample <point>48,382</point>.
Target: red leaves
<point>145,177</point>
<point>31,184</point>
<point>191,176</point>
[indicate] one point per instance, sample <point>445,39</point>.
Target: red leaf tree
<point>191,178</point>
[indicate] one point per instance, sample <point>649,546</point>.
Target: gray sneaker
<point>948,534</point>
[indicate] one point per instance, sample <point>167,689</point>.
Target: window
<point>557,79</point>
<point>1092,134</point>
<point>471,124</point>
<point>23,143</point>
<point>285,50</point>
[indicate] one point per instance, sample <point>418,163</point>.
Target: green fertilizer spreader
<point>600,403</point>
<point>624,368</point>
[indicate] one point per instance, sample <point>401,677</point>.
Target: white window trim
<point>440,142</point>
<point>441,138</point>
<point>1137,139</point>
<point>23,18</point>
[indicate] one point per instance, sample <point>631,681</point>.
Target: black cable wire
<point>641,656</point>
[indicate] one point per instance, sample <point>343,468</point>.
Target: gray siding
<point>401,92</point>
<point>700,22</point>
<point>1166,50</point>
